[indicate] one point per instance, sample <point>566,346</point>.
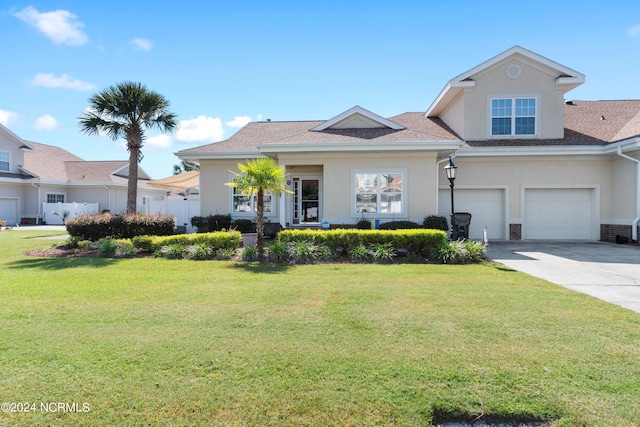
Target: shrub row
<point>95,227</point>
<point>216,240</point>
<point>418,242</point>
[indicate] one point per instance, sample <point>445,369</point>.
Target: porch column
<point>283,204</point>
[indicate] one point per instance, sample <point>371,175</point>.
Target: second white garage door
<point>9,211</point>
<point>558,214</point>
<point>485,205</point>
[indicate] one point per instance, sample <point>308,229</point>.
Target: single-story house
<point>532,163</point>
<point>36,179</point>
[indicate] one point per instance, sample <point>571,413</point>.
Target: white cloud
<point>200,129</point>
<point>238,121</point>
<point>8,118</point>
<point>61,26</point>
<point>634,31</point>
<point>142,44</point>
<point>159,142</point>
<point>64,81</point>
<point>46,122</point>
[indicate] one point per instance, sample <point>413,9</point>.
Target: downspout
<point>38,213</point>
<point>634,224</point>
<point>109,196</point>
<point>453,156</point>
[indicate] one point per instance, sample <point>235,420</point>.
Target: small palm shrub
<point>382,252</point>
<point>174,251</point>
<point>461,252</point>
<point>360,253</point>
<point>250,253</point>
<point>126,250</point>
<point>304,252</point>
<point>225,254</point>
<point>107,248</point>
<point>199,251</point>
<point>277,251</point>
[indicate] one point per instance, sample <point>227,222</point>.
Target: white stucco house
<point>532,163</point>
<point>36,178</point>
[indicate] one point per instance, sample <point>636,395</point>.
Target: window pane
<point>4,161</point>
<point>241,203</point>
<point>501,126</point>
<point>501,108</point>
<point>366,193</point>
<point>391,193</point>
<point>55,198</point>
<point>525,125</point>
<point>525,107</point>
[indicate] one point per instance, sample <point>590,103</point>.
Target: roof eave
<point>359,146</point>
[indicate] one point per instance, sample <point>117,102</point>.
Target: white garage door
<point>9,211</point>
<point>558,214</point>
<point>485,206</point>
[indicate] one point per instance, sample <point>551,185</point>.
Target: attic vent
<point>568,102</point>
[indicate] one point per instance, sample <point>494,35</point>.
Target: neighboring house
<point>532,164</point>
<point>33,176</point>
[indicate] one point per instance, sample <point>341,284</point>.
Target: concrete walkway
<point>606,271</point>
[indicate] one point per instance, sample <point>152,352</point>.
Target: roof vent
<point>602,118</point>
<point>568,102</point>
<point>268,120</point>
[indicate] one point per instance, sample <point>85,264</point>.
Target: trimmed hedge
<point>399,225</point>
<point>217,222</point>
<point>216,240</point>
<point>95,227</point>
<point>419,242</point>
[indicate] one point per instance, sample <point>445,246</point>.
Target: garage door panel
<point>9,211</point>
<point>486,207</point>
<point>557,214</point>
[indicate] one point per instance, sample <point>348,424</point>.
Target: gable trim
<point>15,138</point>
<point>353,111</point>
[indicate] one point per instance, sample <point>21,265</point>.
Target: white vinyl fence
<point>181,207</point>
<point>56,213</point>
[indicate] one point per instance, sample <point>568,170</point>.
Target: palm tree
<point>185,166</point>
<point>126,110</point>
<point>257,177</point>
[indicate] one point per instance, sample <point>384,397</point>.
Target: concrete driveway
<point>606,271</point>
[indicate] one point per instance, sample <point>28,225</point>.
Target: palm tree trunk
<point>260,224</point>
<point>132,182</point>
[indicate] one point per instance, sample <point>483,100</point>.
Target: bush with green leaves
<point>436,222</point>
<point>277,251</point>
<point>225,254</point>
<point>382,252</point>
<point>360,253</point>
<point>206,224</point>
<point>399,225</point>
<point>244,225</point>
<point>305,252</point>
<point>95,227</point>
<point>173,251</point>
<point>216,240</point>
<point>419,242</point>
<point>363,224</point>
<point>107,248</point>
<point>250,253</point>
<point>199,251</point>
<point>461,252</point>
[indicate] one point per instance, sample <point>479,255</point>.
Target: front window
<point>379,193</point>
<point>247,204</point>
<point>513,116</point>
<point>55,198</point>
<point>4,161</point>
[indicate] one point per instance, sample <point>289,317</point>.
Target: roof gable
<point>14,138</point>
<point>357,118</point>
<point>565,77</point>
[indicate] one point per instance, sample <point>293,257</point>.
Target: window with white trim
<point>4,161</point>
<point>513,116</point>
<point>379,192</point>
<point>247,204</point>
<point>55,198</point>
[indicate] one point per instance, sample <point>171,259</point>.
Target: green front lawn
<point>164,342</point>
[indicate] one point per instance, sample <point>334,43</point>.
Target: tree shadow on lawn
<point>61,263</point>
<point>262,268</point>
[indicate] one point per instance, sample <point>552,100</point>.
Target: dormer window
<point>513,116</point>
<point>4,161</point>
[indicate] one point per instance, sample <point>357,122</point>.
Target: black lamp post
<point>450,169</point>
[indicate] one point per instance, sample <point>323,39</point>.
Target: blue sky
<point>223,63</point>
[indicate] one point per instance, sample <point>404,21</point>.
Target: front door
<point>306,200</point>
